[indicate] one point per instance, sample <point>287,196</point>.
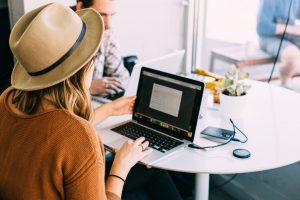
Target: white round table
<point>270,121</point>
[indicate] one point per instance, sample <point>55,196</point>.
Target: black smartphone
<point>217,133</point>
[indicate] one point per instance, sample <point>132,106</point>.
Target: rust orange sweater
<point>51,155</point>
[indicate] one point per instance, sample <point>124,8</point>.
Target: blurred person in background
<point>110,76</point>
<point>272,18</point>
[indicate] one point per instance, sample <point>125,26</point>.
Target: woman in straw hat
<point>48,146</point>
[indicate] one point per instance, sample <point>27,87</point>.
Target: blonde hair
<point>71,95</point>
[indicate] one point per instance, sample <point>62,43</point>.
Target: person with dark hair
<point>49,148</point>
<point>271,22</point>
<point>110,76</point>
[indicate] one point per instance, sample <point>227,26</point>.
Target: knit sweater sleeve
<point>85,172</point>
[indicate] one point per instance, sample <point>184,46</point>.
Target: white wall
<point>18,7</point>
<point>150,28</point>
<point>232,20</point>
<point>147,28</point>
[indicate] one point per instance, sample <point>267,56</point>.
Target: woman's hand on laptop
<point>128,155</point>
<point>122,106</point>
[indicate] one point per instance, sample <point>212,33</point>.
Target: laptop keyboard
<point>156,141</point>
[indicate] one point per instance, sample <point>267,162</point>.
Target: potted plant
<point>234,93</point>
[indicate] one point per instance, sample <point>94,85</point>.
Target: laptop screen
<point>168,103</point>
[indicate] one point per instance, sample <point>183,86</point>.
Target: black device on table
<point>223,134</point>
<point>217,133</point>
<point>108,98</point>
<point>213,133</point>
<point>115,95</point>
<point>241,153</point>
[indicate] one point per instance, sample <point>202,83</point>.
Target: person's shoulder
<point>273,2</point>
<point>3,98</point>
<point>67,125</point>
<point>72,130</point>
<point>74,146</point>
<point>267,6</point>
<point>72,122</point>
<point>4,93</point>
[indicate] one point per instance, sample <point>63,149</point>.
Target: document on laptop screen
<point>168,102</point>
<point>165,99</point>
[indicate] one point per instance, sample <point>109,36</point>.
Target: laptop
<point>165,113</point>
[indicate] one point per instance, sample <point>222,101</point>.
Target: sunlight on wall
<point>232,20</point>
<point>150,28</point>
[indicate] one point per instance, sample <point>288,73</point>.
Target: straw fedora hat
<point>52,43</point>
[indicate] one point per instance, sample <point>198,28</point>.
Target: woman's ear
<point>79,5</point>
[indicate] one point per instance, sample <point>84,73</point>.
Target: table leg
<point>202,186</point>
